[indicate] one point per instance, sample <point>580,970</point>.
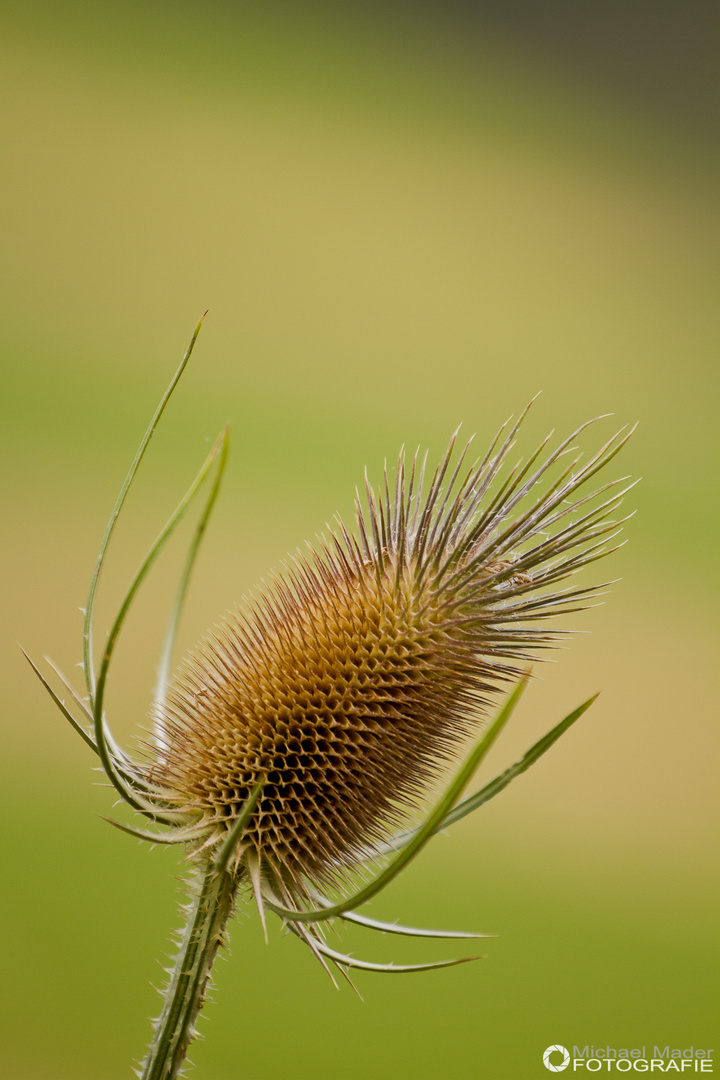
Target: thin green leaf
<point>496,786</point>
<point>239,825</point>
<point>344,961</point>
<point>125,769</point>
<point>421,836</point>
<point>407,931</point>
<point>303,934</point>
<point>70,689</point>
<point>176,612</point>
<point>90,605</point>
<point>101,736</point>
<point>61,704</point>
<point>396,928</point>
<point>154,838</point>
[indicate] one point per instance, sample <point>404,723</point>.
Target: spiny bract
<point>359,672</point>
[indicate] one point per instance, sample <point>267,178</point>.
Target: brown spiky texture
<point>359,671</point>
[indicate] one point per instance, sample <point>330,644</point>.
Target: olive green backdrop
<point>396,226</point>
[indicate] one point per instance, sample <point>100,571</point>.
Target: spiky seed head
<point>358,672</point>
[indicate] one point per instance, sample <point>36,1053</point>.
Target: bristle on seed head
<point>364,665</point>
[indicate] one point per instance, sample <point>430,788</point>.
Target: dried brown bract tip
<point>358,673</point>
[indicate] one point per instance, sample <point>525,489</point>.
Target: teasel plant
<point>294,753</point>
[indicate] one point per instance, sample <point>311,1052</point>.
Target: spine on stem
<point>212,899</point>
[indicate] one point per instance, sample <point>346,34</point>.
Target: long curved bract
<point>90,605</point>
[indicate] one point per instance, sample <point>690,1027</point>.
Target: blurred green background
<point>400,218</point>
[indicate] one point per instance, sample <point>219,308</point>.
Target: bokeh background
<point>400,218</point>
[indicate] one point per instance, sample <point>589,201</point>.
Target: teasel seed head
<point>346,686</point>
<point>306,727</point>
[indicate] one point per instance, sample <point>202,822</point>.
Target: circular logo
<point>556,1050</point>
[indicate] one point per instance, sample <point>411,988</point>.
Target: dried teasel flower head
<point>356,675</point>
<point>309,725</point>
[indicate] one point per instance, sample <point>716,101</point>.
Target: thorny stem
<point>211,905</point>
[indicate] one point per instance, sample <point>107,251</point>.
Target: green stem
<point>211,905</point>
